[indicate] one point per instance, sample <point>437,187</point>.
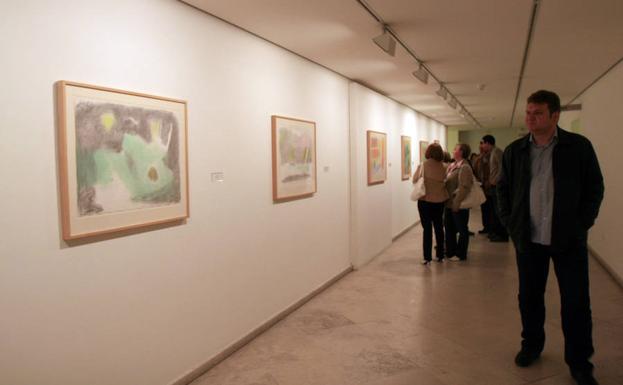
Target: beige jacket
<point>495,165</point>
<point>458,184</point>
<point>434,176</point>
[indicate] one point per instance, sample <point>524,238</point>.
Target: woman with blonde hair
<point>459,181</point>
<point>431,205</point>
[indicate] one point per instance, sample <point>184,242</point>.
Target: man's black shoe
<point>584,378</point>
<point>470,233</point>
<point>525,358</point>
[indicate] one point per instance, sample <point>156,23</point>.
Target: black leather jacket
<point>578,190</point>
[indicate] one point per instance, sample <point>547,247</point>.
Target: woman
<point>431,205</point>
<point>459,181</point>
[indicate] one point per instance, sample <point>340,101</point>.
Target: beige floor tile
<point>397,322</point>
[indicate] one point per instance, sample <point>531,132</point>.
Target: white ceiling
<point>462,43</point>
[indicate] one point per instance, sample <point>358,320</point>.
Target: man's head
<point>542,112</point>
<point>487,143</point>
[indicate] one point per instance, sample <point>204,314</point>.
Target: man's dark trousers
<point>571,267</point>
<point>496,225</point>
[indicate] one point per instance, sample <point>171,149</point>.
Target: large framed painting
<point>294,158</point>
<point>405,156</point>
<point>122,159</point>
<point>423,147</point>
<point>377,157</point>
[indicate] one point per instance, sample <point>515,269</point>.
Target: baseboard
<point>606,266</point>
<point>403,232</point>
<point>231,349</point>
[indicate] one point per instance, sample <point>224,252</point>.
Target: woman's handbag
<point>475,197</point>
<point>419,189</point>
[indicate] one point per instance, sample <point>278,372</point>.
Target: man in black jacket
<point>549,195</point>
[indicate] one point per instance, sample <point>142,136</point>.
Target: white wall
<point>380,212</point>
<point>149,307</point>
<point>601,118</point>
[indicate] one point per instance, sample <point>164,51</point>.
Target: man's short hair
<point>546,97</point>
<point>434,151</point>
<point>489,139</point>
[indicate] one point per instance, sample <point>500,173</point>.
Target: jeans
<point>571,267</point>
<point>456,223</point>
<point>431,215</point>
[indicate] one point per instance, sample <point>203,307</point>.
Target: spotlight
<point>421,74</point>
<point>452,103</point>
<point>386,42</point>
<point>442,92</point>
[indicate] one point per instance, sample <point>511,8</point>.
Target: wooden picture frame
<point>423,147</point>
<point>405,157</point>
<point>123,159</point>
<point>293,158</point>
<point>377,157</point>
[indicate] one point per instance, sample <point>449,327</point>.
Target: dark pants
<point>496,225</point>
<point>431,215</point>
<point>486,210</point>
<point>571,267</point>
<point>456,223</point>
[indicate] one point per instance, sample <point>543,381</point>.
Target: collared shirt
<point>542,191</point>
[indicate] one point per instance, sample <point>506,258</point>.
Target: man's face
<point>481,147</point>
<point>485,147</point>
<point>539,120</point>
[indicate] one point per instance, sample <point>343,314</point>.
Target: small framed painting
<point>377,157</point>
<point>423,147</point>
<point>294,158</point>
<point>122,159</point>
<point>405,156</point>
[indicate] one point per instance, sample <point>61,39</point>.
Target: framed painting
<point>294,158</point>
<point>405,156</point>
<point>377,157</point>
<point>122,158</point>
<point>423,147</point>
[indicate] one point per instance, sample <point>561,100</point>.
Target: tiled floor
<point>396,322</point>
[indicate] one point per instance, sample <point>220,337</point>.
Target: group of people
<point>442,210</point>
<point>544,191</point>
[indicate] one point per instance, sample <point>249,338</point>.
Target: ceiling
<point>489,54</point>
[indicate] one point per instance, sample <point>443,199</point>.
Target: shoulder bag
<point>419,188</point>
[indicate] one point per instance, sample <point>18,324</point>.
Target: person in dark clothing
<point>549,194</point>
<point>497,232</point>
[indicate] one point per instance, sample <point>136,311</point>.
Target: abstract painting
<point>123,161</point>
<point>405,156</point>
<point>294,158</point>
<point>423,147</point>
<point>377,157</point>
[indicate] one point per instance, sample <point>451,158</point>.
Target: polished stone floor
<point>397,322</point>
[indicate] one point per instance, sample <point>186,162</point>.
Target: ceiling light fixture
<point>421,74</point>
<point>452,103</point>
<point>442,92</point>
<point>386,42</point>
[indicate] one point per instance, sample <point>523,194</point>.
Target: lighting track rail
<point>388,29</point>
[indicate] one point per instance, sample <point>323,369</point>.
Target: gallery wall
<point>600,117</point>
<point>382,211</point>
<point>150,306</point>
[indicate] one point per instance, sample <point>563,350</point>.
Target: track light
<point>452,103</point>
<point>442,92</point>
<point>421,74</point>
<point>386,42</point>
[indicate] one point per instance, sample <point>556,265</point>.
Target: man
<point>497,232</point>
<point>549,195</point>
<point>481,170</point>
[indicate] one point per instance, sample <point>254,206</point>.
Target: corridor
<point>396,322</point>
